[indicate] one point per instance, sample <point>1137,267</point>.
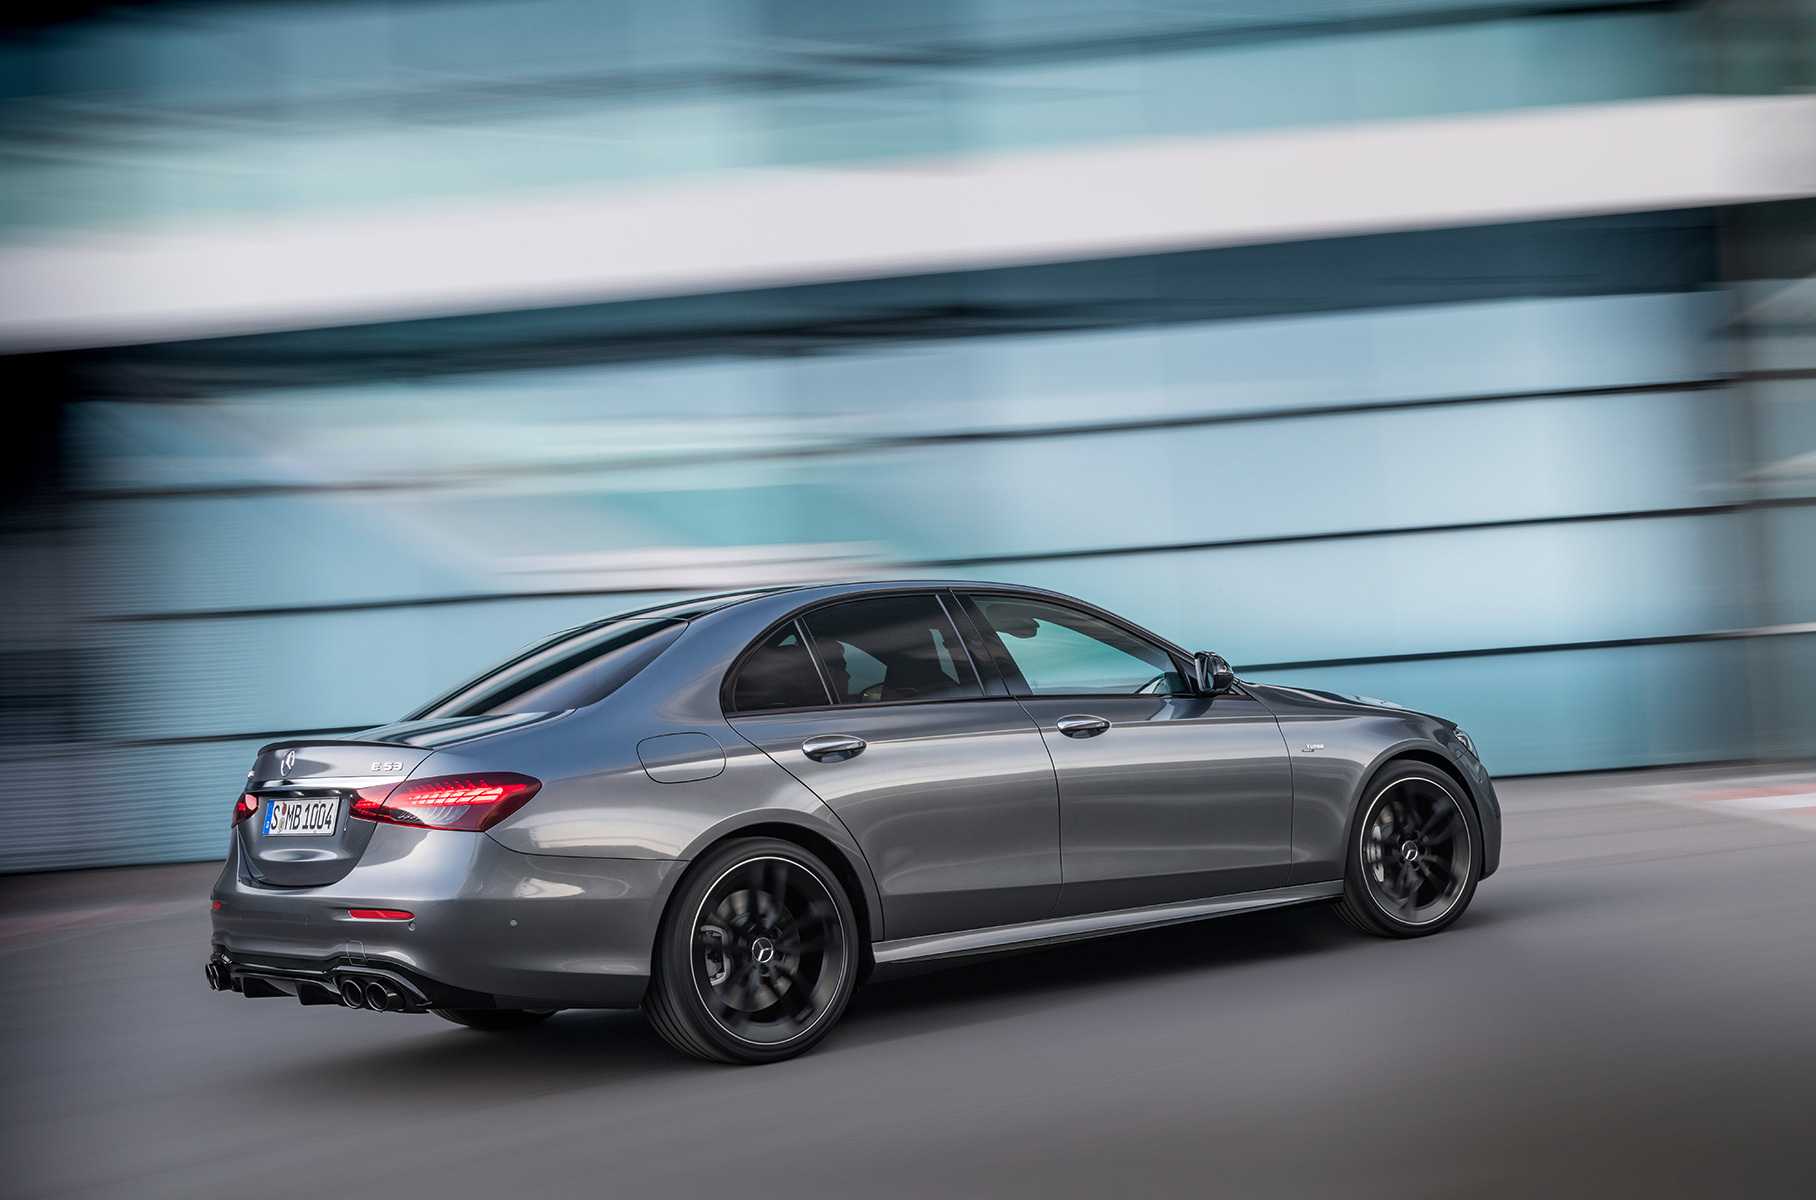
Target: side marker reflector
<point>380,914</point>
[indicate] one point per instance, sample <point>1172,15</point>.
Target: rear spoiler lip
<point>456,732</point>
<point>298,743</point>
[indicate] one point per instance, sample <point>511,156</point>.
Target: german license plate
<point>301,818</point>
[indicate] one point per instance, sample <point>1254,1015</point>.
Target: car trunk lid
<point>301,833</point>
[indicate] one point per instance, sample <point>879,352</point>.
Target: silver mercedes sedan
<point>732,811</point>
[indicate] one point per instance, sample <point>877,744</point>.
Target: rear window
<point>570,670</point>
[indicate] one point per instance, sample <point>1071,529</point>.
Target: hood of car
<point>1346,700</point>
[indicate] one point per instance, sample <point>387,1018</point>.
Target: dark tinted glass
<point>570,670</point>
<point>890,648</point>
<point>778,674</point>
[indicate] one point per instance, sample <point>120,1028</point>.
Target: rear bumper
<point>490,928</point>
<point>324,981</point>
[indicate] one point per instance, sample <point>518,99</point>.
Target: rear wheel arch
<point>846,863</point>
<point>834,856</point>
<point>678,1005</point>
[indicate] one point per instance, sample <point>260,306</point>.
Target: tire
<point>756,957</point>
<point>1414,854</point>
<point>494,1020</point>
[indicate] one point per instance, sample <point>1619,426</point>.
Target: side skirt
<point>1090,925</point>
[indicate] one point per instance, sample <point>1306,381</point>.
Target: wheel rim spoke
<point>1441,826</point>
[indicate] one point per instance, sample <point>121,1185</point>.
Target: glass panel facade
<point>219,112</point>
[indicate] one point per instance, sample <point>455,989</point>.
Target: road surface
<point>1628,1009</point>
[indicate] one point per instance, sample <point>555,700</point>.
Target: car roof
<point>699,606</point>
<point>808,593</point>
<point>691,607</point>
<point>727,605</point>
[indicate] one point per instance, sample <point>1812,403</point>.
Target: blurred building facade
<point>1458,352</point>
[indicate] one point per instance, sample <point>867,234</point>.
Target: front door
<point>950,793</point>
<point>1164,794</point>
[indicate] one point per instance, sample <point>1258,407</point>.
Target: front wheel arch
<point>1351,907</point>
<point>1419,752</point>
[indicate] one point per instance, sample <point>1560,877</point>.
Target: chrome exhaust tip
<point>380,998</point>
<point>351,994</point>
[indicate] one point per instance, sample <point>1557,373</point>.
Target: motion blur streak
<point>1454,351</point>
<point>1620,1016</point>
<point>970,211</point>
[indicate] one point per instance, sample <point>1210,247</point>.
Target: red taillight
<point>380,914</point>
<point>471,802</point>
<point>244,807</point>
<point>369,802</point>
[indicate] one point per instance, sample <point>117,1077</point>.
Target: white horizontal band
<point>769,227</point>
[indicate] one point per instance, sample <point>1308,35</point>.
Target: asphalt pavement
<point>1628,1009</point>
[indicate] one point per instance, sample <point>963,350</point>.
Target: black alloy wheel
<point>1415,854</point>
<point>758,955</point>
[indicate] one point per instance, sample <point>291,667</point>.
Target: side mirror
<point>1213,675</point>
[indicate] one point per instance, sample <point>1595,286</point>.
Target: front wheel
<point>1415,853</point>
<point>756,957</point>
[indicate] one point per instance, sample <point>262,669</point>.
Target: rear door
<point>874,703</point>
<point>1164,794</point>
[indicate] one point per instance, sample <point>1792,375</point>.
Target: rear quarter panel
<point>599,798</point>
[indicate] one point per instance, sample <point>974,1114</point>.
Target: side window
<point>1061,651</point>
<point>890,648</point>
<point>778,674</point>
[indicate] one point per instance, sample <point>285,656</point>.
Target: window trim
<point>983,656</point>
<point>805,636</point>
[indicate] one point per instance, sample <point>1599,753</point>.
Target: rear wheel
<point>494,1019</point>
<point>1414,854</point>
<point>757,955</point>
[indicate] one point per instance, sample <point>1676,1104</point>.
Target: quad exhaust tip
<point>374,994</point>
<point>218,980</point>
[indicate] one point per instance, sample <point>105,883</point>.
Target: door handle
<point>1081,725</point>
<point>833,747</point>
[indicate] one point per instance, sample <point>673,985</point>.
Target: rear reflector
<point>244,807</point>
<point>380,914</point>
<point>470,802</point>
